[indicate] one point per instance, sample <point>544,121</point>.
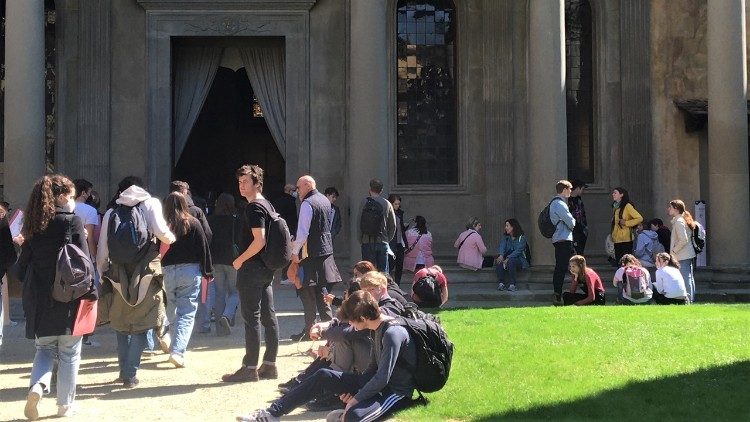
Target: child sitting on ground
<point>588,279</point>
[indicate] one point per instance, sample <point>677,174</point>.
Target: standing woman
<point>681,242</point>
<point>588,279</point>
<point>398,243</point>
<point>185,263</point>
<point>624,220</point>
<point>224,249</point>
<point>418,253</point>
<point>48,215</point>
<point>470,246</point>
<point>511,255</point>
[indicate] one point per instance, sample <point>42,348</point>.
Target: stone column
<point>547,145</point>
<point>729,243</point>
<point>367,139</point>
<point>24,98</point>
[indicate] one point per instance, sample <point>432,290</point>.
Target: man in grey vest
<point>318,266</point>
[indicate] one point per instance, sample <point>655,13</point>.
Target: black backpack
<point>74,271</point>
<point>373,215</point>
<point>699,238</point>
<point>278,250</point>
<point>428,290</point>
<point>127,234</point>
<point>412,311</point>
<point>546,227</point>
<point>434,353</point>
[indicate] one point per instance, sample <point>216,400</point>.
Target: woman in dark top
<point>48,215</point>
<point>398,243</point>
<point>184,264</point>
<point>224,249</point>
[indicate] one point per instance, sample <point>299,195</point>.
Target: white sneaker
<point>260,415</point>
<point>501,286</point>
<point>65,410</point>
<point>31,411</point>
<point>335,416</point>
<point>512,288</point>
<point>177,360</point>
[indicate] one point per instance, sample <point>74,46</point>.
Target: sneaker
<point>244,374</point>
<point>284,387</point>
<point>31,411</point>
<point>130,382</point>
<point>177,360</point>
<point>222,327</point>
<point>232,320</point>
<point>268,372</point>
<point>335,416</point>
<point>65,410</point>
<point>260,415</point>
<point>512,288</point>
<point>501,286</point>
<point>325,403</point>
<point>557,300</point>
<point>165,342</point>
<point>300,337</point>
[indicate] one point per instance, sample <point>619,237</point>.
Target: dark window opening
<point>427,141</point>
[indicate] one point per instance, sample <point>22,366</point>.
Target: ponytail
<point>669,259</point>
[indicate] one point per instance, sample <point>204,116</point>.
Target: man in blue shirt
<point>563,237</point>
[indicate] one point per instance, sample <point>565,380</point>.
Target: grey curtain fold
<point>264,64</point>
<point>194,71</point>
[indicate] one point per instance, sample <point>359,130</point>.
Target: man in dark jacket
<point>286,206</point>
<point>335,214</point>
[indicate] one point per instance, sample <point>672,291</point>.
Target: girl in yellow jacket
<point>624,220</point>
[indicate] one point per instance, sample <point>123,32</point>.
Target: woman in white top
<point>470,246</point>
<point>681,244</point>
<point>669,288</point>
<point>633,281</point>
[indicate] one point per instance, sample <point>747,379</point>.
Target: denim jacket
<point>562,219</point>
<point>514,248</point>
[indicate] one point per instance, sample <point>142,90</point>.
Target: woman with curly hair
<point>47,221</point>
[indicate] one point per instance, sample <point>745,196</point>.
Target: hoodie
<point>152,212</point>
<point>646,246</point>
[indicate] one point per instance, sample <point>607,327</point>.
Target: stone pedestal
<point>24,98</point>
<point>367,138</point>
<point>729,227</point>
<point>548,152</point>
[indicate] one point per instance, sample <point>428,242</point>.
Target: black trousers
<point>563,252</point>
<point>621,249</point>
<point>579,242</point>
<point>256,303</point>
<point>571,298</point>
<point>660,299</point>
<point>397,265</point>
<point>311,293</point>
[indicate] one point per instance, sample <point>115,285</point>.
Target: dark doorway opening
<point>230,131</point>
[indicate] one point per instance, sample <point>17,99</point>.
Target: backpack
<point>434,353</point>
<point>636,284</point>
<point>278,250</point>
<point>428,290</point>
<point>546,227</point>
<point>699,238</point>
<point>527,253</point>
<point>74,271</point>
<point>127,234</point>
<point>373,215</point>
<point>412,311</point>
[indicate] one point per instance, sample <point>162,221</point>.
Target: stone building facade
<point>500,78</point>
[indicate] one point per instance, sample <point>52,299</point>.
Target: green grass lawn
<point>613,362</point>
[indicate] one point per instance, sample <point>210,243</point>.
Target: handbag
<point>85,317</point>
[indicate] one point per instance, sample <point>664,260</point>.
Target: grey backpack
<point>74,271</point>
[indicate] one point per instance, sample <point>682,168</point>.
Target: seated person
<point>429,288</point>
<point>593,289</point>
<point>381,390</point>
<point>511,255</point>
<point>471,248</point>
<point>647,245</point>
<point>669,288</point>
<point>631,271</point>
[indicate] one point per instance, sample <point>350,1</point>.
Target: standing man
<point>86,212</point>
<point>377,226</point>
<point>581,229</point>
<point>319,268</point>
<point>334,216</point>
<point>562,240</point>
<point>254,282</point>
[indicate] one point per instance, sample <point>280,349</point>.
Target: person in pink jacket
<point>418,253</point>
<point>470,246</point>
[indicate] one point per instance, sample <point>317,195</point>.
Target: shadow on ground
<point>717,393</point>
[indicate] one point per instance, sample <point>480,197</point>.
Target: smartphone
<point>324,290</point>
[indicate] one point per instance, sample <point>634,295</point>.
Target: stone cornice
<point>265,5</point>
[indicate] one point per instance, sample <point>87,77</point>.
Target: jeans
<point>256,297</point>
<point>204,309</point>
<point>151,339</point>
<point>686,269</point>
<point>66,350</point>
<point>563,252</point>
<point>182,283</point>
<point>514,264</point>
<point>377,254</point>
<point>129,350</point>
<point>227,298</point>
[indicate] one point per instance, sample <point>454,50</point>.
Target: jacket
<point>423,247</point>
<point>646,246</point>
<point>514,249</point>
<point>632,218</point>
<point>37,263</point>
<point>681,241</point>
<point>389,222</point>
<point>471,254</point>
<point>319,230</point>
<point>562,219</point>
<point>335,221</point>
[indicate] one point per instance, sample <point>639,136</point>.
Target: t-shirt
<point>86,213</point>
<point>254,216</point>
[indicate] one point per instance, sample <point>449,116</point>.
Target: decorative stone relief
<point>225,25</point>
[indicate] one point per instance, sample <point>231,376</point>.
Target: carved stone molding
<point>225,25</point>
<point>303,5</point>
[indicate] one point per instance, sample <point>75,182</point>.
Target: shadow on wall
<point>717,393</point>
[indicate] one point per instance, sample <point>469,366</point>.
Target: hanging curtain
<point>194,70</point>
<point>264,62</point>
